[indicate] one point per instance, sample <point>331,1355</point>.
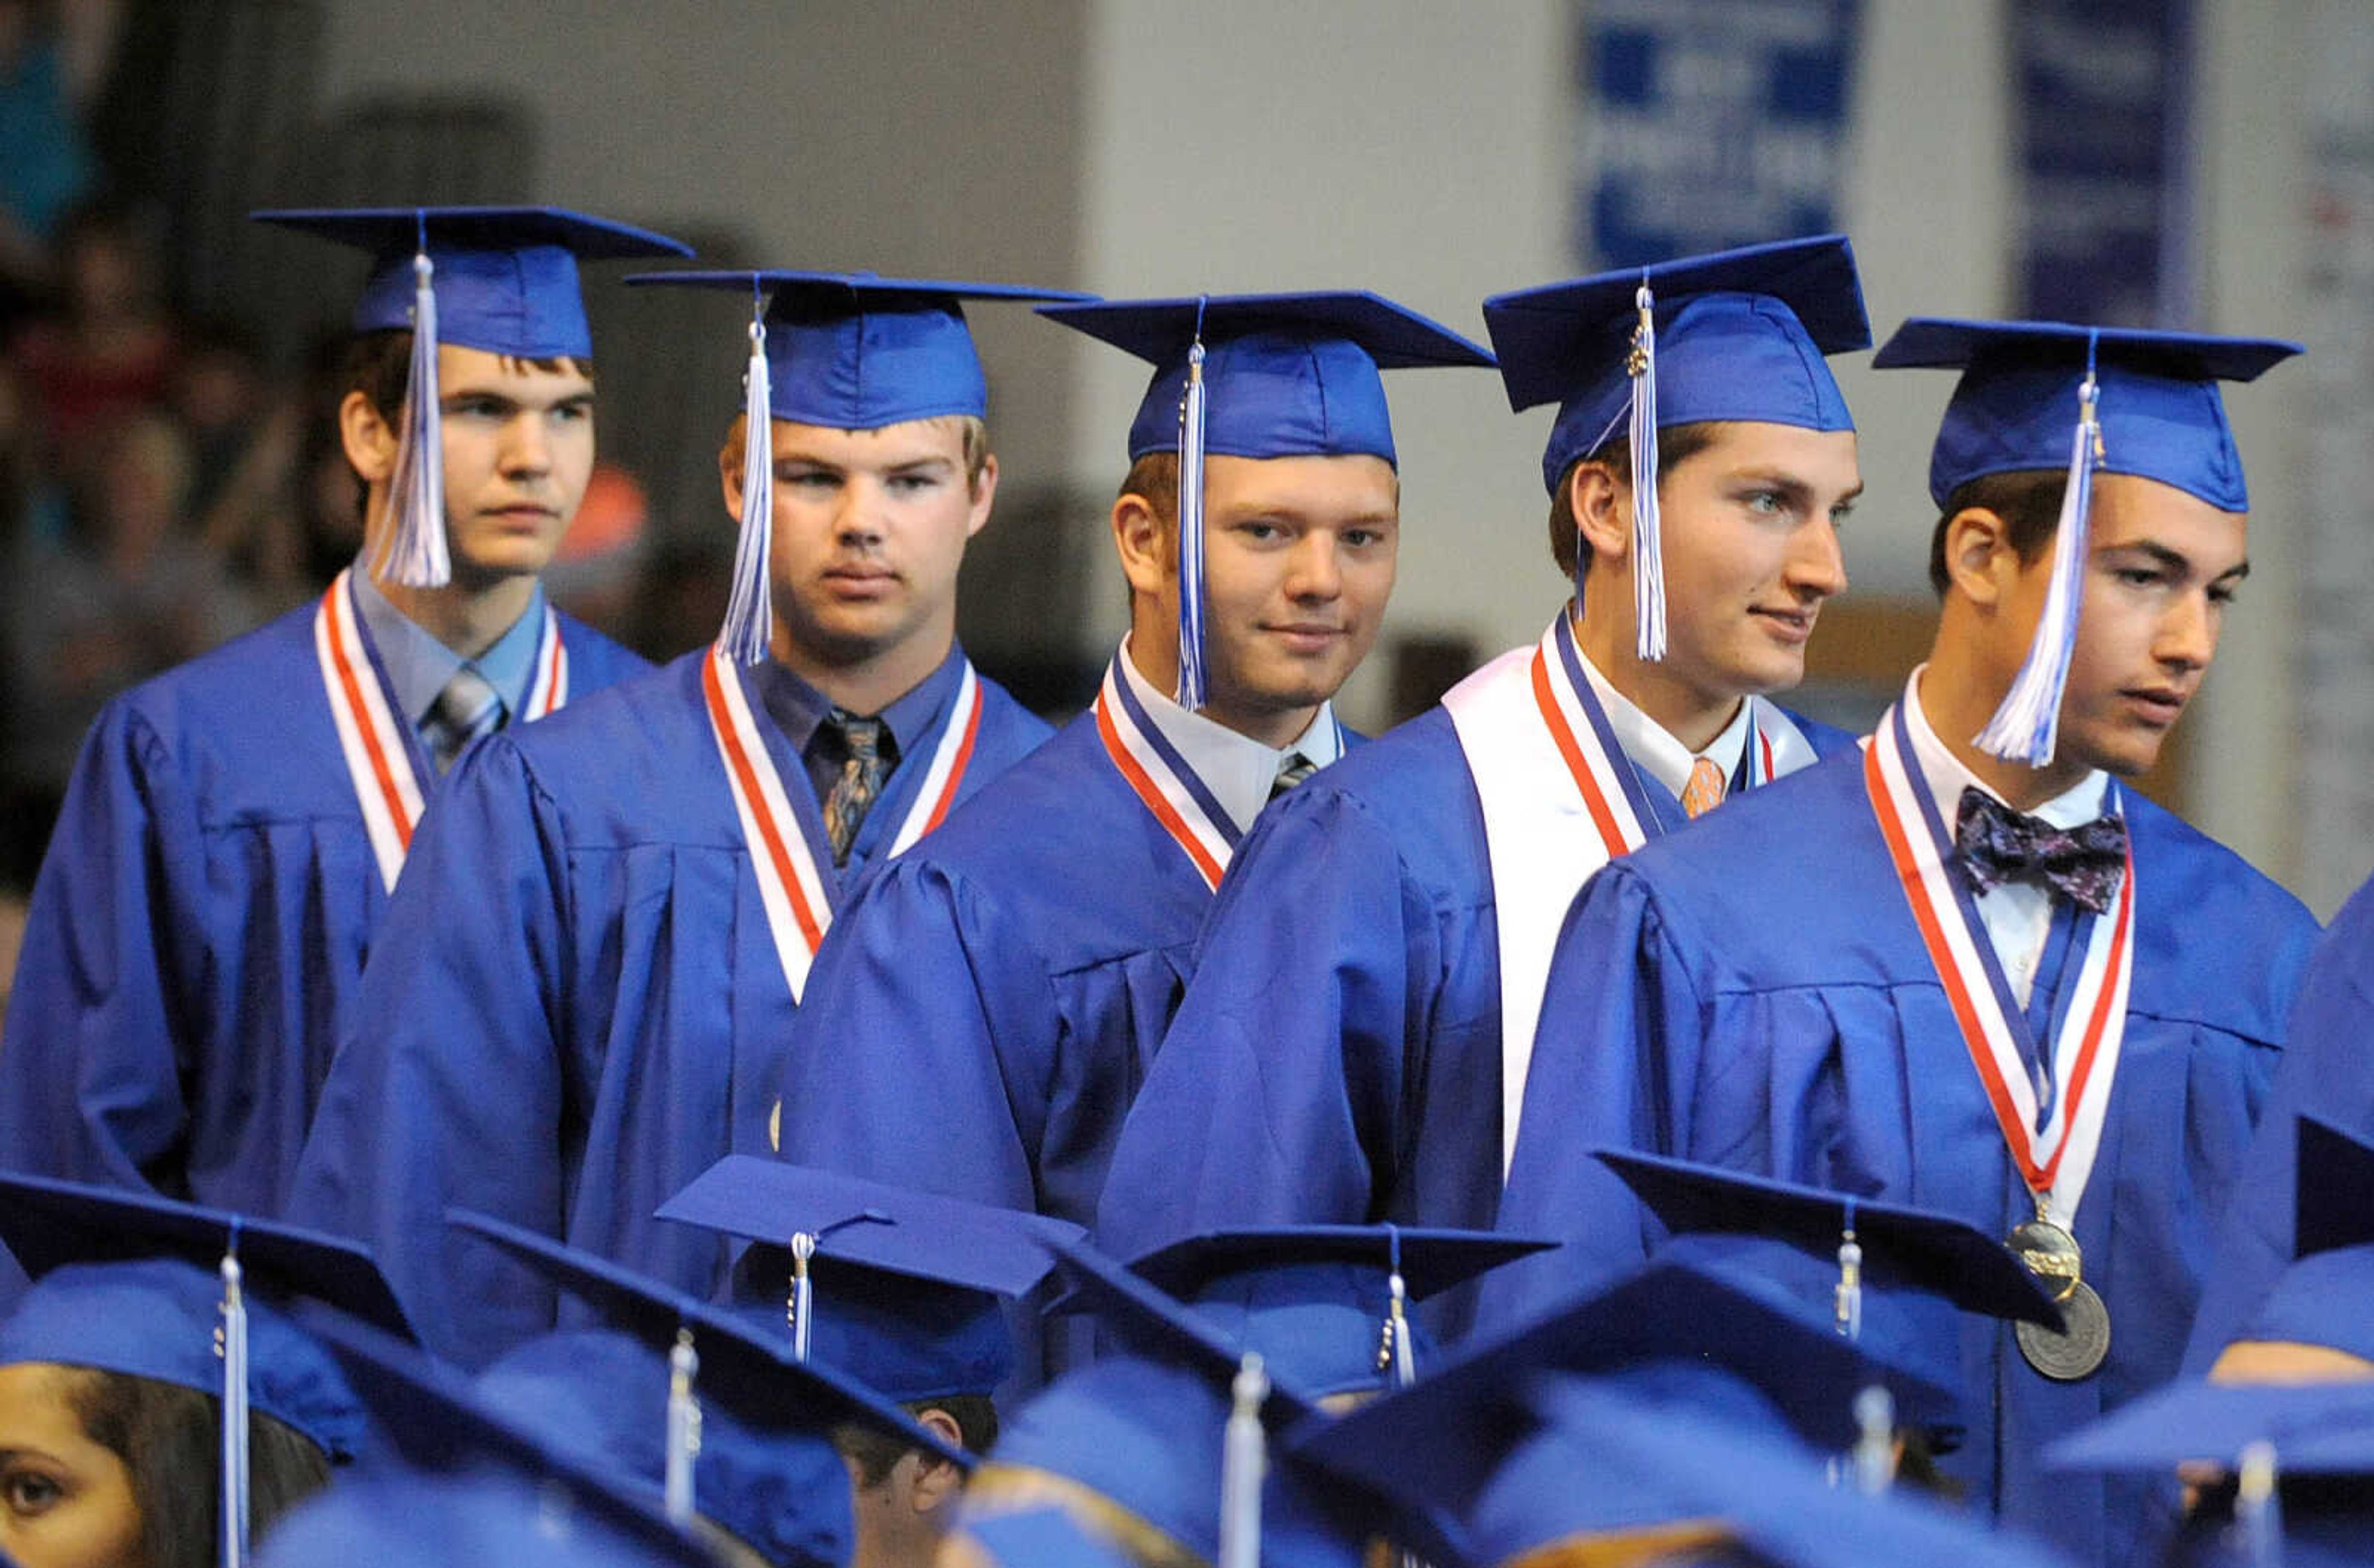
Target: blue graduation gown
<point>1336,1057</point>
<point>2328,1070</point>
<point>1003,985</point>
<point>198,930</point>
<point>1701,1007</point>
<point>575,1004</point>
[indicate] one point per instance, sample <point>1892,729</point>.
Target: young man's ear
<point>369,441</point>
<point>1144,540</point>
<point>984,495</point>
<point>938,1482</point>
<point>729,464</point>
<point>1980,559</point>
<point>1603,511</point>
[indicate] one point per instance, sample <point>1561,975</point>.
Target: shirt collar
<point>1237,769</point>
<point>1653,746</point>
<point>419,666</point>
<point>1947,776</point>
<point>798,708</point>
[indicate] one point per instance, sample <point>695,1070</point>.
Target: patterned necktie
<point>468,708</point>
<point>1704,790</point>
<point>862,772</point>
<point>1999,845</point>
<point>1292,771</point>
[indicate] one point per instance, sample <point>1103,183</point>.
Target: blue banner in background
<point>2101,115</point>
<point>1708,124</point>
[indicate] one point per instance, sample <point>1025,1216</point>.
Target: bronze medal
<point>2050,1254</point>
<point>2076,1352</point>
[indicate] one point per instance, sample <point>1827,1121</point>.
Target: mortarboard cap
<point>2320,1298</point>
<point>500,279</point>
<point>1172,1433</point>
<point>2314,1428</point>
<point>2045,395</point>
<point>1031,1538</point>
<point>902,1286</point>
<point>1259,375</point>
<point>1322,1304</point>
<point>686,1398</point>
<point>1730,335</point>
<point>848,351</point>
<point>139,1285</point>
<point>444,1438</point>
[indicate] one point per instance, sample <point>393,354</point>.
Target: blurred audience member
<point>45,160</point>
<point>109,351</point>
<point>597,573</point>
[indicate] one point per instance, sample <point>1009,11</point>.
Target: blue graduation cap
<point>500,279</point>
<point>1324,1305</point>
<point>1172,1434</point>
<point>688,1399</point>
<point>1259,376</point>
<point>1730,335</point>
<point>897,1288</point>
<point>132,1283</point>
<point>2044,395</point>
<point>2313,1428</point>
<point>463,1479</point>
<point>849,351</point>
<point>1035,1537</point>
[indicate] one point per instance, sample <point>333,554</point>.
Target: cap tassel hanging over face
<point>234,1407</point>
<point>683,1428</point>
<point>749,613</point>
<point>415,553</point>
<point>1244,1463</point>
<point>1647,551</point>
<point>2026,728</point>
<point>1191,684</point>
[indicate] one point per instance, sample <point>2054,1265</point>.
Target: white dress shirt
<point>1237,769</point>
<point>1649,742</point>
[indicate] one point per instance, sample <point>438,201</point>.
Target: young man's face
<point>519,447</point>
<point>869,529</point>
<point>2161,568</point>
<point>1298,559</point>
<point>1751,550</point>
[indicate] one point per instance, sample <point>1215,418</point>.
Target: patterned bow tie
<point>1999,845</point>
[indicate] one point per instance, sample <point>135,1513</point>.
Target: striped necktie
<point>468,708</point>
<point>1292,771</point>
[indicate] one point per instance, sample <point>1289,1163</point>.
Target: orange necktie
<point>1704,792</point>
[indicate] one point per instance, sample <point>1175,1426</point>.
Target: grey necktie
<point>1292,771</point>
<point>468,708</point>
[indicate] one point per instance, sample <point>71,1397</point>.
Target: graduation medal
<point>2055,1153</point>
<point>376,743</point>
<point>796,888</point>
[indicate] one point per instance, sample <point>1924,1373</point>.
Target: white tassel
<point>803,1295</point>
<point>1244,1464</point>
<point>683,1428</point>
<point>2258,1509</point>
<point>416,556</point>
<point>750,612</point>
<point>1850,1290</point>
<point>1648,549</point>
<point>2027,728</point>
<point>234,1409</point>
<point>1191,682</point>
<point>1875,1449</point>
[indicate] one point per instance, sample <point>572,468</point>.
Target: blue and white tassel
<point>683,1429</point>
<point>750,612</point>
<point>1875,1449</point>
<point>802,1303</point>
<point>2258,1509</point>
<point>1401,1356</point>
<point>416,555</point>
<point>1244,1465</point>
<point>234,1407</point>
<point>1648,550</point>
<point>1191,676</point>
<point>2026,728</point>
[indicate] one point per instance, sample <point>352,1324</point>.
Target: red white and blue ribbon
<point>1560,799</point>
<point>377,742</point>
<point>2055,1153</point>
<point>795,886</point>
<point>1159,777</point>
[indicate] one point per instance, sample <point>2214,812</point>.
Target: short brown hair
<point>874,1451</point>
<point>1155,479</point>
<point>1675,447</point>
<point>378,365</point>
<point>2028,500</point>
